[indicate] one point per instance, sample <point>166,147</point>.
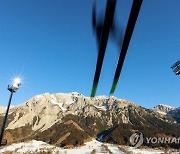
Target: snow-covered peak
<point>167,106</point>
<point>163,109</point>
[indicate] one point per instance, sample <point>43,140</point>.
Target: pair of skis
<point>108,23</point>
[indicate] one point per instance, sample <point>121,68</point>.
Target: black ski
<point>108,21</point>
<point>129,30</point>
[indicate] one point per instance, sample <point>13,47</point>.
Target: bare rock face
<point>2,109</point>
<point>43,111</point>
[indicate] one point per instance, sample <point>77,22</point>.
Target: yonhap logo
<point>136,139</point>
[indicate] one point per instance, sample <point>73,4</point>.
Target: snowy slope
<point>92,146</point>
<point>39,146</point>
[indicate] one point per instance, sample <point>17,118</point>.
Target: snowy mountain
<point>43,111</point>
<point>163,109</point>
<point>169,111</point>
<point>69,120</point>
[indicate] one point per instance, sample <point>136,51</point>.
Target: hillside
<point>68,120</point>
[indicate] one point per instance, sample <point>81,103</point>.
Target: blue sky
<point>52,46</point>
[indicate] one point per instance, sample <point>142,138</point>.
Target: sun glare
<point>17,81</point>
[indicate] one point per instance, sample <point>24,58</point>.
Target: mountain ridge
<point>58,118</point>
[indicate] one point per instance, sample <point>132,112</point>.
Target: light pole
<point>176,68</point>
<point>12,88</point>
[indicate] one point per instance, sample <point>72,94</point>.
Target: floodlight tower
<point>176,67</point>
<point>12,88</point>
